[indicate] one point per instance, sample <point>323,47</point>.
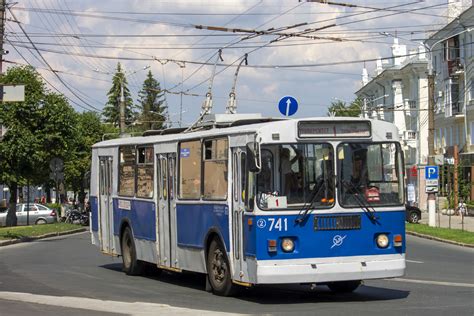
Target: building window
<point>127,171</point>
<point>145,180</point>
<point>190,170</point>
<point>215,168</point>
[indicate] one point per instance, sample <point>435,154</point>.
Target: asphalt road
<point>68,276</point>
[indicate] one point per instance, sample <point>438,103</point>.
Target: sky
<point>82,41</point>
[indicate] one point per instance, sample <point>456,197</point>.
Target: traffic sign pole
<point>431,178</point>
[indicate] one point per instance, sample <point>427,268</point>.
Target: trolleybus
<point>250,200</point>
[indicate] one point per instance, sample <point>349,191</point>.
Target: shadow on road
<point>272,294</point>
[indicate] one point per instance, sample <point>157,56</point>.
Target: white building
<point>398,93</point>
<point>452,61</point>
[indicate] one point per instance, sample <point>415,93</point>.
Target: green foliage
<point>40,128</point>
<point>150,103</point>
<point>112,107</point>
<point>89,130</point>
<point>25,232</point>
<point>340,108</point>
<point>444,233</point>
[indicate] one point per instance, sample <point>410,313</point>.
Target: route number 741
<point>278,224</point>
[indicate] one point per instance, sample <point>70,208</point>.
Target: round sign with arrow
<point>288,106</point>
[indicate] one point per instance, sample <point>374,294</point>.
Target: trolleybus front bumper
<point>320,270</point>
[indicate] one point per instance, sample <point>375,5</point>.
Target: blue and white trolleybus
<point>250,200</point>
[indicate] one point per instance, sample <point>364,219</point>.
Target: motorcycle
<point>74,216</point>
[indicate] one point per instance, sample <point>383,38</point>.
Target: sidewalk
<point>456,222</point>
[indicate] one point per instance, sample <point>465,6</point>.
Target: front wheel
<point>218,270</point>
<point>344,286</point>
<point>131,265</point>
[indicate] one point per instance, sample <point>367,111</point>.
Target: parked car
<point>38,214</point>
<point>412,214</point>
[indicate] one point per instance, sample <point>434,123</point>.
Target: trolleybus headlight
<point>287,245</point>
<point>382,241</point>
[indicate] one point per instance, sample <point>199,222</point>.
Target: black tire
<point>131,265</point>
<point>413,217</point>
<point>41,221</point>
<point>218,270</point>
<point>344,286</point>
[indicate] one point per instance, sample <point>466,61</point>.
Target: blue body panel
<point>94,201</point>
<point>194,221</point>
<point>311,243</point>
<point>142,218</point>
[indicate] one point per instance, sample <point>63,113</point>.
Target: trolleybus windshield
<point>293,175</point>
<point>370,173</point>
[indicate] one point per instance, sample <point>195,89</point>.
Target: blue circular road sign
<point>288,106</point>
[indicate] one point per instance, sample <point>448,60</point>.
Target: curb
<point>28,239</point>
<point>439,239</point>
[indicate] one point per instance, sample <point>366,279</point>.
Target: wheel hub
<point>219,267</point>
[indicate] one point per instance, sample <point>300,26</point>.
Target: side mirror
<point>254,162</point>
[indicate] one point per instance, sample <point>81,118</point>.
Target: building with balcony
<point>452,52</point>
<point>398,92</point>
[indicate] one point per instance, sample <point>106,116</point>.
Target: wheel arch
<point>124,223</point>
<point>213,233</point>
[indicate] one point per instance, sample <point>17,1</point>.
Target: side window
<point>145,166</point>
<point>127,171</point>
<point>243,173</point>
<point>235,182</point>
<point>190,170</point>
<point>215,168</point>
<point>164,179</point>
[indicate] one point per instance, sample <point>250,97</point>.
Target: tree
<point>89,130</point>
<point>112,107</point>
<point>340,108</point>
<point>150,103</point>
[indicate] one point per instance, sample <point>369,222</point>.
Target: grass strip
<point>444,233</point>
<point>35,230</point>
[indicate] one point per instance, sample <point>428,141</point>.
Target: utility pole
<point>122,108</point>
<point>2,30</point>
<point>431,195</point>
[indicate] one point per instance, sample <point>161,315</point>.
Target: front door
<point>105,204</point>
<point>238,193</point>
<point>166,215</point>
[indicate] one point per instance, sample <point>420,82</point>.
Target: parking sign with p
<point>431,172</point>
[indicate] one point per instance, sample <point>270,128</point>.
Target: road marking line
<point>414,261</point>
<point>432,282</point>
<point>133,308</point>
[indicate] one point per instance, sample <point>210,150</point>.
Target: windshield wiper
<point>304,211</point>
<point>361,201</point>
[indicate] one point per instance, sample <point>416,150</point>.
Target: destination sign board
<point>335,129</point>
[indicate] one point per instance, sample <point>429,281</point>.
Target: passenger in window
<point>360,176</point>
<point>293,180</point>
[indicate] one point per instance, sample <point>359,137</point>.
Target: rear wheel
<point>413,217</point>
<point>218,270</point>
<point>344,286</point>
<point>40,221</point>
<point>131,265</point>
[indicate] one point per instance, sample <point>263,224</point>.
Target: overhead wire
<point>49,66</point>
<point>53,23</point>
